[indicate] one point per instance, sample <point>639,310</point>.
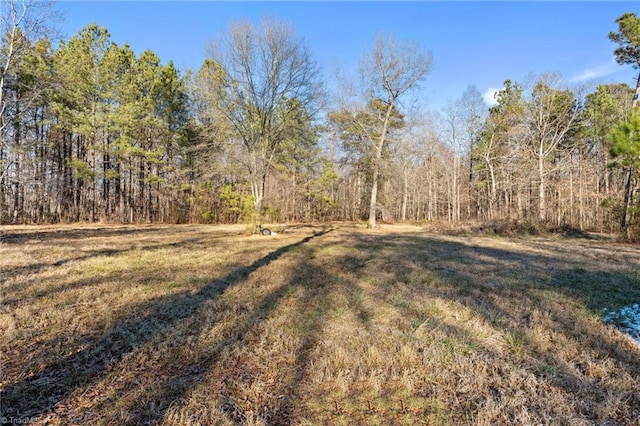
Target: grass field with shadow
<point>333,324</point>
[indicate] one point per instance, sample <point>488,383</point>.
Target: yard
<point>322,324</point>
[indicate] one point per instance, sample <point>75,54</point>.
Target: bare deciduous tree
<point>23,23</point>
<point>553,116</point>
<point>388,72</point>
<point>266,67</point>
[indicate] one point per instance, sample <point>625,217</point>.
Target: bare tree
<point>407,153</point>
<point>474,113</point>
<point>23,23</point>
<point>388,72</point>
<point>553,117</point>
<point>268,75</point>
<point>453,128</point>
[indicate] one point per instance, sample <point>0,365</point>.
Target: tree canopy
<point>93,131</point>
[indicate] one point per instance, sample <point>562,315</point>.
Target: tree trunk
<point>17,187</point>
<point>4,213</point>
<point>455,205</point>
<point>374,195</point>
<point>376,165</point>
<point>405,194</point>
<point>636,94</point>
<point>492,195</point>
<point>624,220</point>
<point>571,200</point>
<point>581,214</point>
<point>542,213</point>
<point>430,194</point>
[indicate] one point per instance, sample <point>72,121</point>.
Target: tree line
<point>91,131</point>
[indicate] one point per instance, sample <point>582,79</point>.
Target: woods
<point>92,131</point>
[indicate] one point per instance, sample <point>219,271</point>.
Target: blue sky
<point>481,43</point>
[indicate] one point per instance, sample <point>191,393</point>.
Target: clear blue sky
<point>481,43</point>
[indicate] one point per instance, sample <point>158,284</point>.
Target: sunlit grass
<point>210,325</point>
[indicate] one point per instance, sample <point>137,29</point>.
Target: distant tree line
<point>90,131</point>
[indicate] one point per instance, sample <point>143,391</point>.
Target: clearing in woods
<point>187,325</point>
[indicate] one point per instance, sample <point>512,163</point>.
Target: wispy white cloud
<point>490,96</point>
<point>595,72</point>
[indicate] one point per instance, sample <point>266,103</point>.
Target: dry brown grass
<point>201,325</point>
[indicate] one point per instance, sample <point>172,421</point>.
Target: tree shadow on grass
<point>508,289</point>
<point>503,287</point>
<point>24,294</point>
<point>12,271</point>
<point>226,377</point>
<point>65,237</point>
<point>469,266</point>
<point>54,236</point>
<point>37,394</point>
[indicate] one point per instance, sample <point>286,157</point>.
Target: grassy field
<point>203,325</point>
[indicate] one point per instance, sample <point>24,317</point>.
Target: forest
<point>91,131</point>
